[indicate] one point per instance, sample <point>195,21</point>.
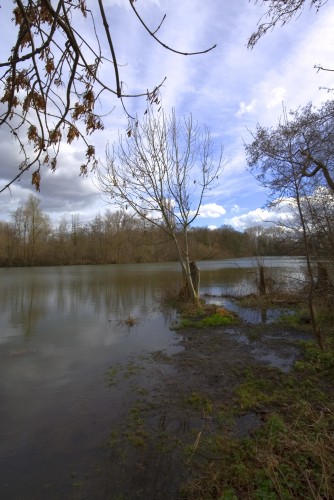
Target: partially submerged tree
<point>295,161</point>
<point>51,79</point>
<point>162,173</point>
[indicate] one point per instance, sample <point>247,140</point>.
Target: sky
<point>230,90</point>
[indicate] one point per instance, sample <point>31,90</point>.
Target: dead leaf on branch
<point>90,152</point>
<point>73,133</point>
<point>49,67</point>
<point>36,180</point>
<point>54,136</point>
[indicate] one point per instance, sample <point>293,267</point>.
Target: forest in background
<point>30,239</point>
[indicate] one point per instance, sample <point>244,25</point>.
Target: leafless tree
<point>51,80</point>
<point>295,161</point>
<point>162,173</point>
<point>32,228</point>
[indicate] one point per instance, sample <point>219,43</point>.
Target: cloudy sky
<point>230,90</point>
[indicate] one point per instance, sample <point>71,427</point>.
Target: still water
<point>61,329</point>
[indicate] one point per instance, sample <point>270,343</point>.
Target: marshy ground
<point>236,412</point>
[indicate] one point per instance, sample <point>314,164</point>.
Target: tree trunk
<point>262,281</point>
<point>195,276</point>
<point>191,281</point>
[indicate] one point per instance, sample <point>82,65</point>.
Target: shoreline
<point>184,399</point>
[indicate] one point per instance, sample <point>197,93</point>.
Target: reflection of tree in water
<point>230,281</point>
<point>117,290</point>
<point>123,292</point>
<point>112,292</point>
<point>28,305</point>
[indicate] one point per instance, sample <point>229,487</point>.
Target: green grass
<point>290,455</point>
<point>215,319</point>
<point>200,402</point>
<point>112,375</point>
<point>118,372</point>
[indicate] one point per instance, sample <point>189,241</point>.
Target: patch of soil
<point>148,454</point>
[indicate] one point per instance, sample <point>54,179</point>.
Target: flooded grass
<point>120,372</point>
<point>212,320</point>
<point>238,410</point>
<point>233,428</point>
<point>200,402</point>
<point>246,412</point>
<point>290,455</point>
<point>130,321</point>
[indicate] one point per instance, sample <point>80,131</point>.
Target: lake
<point>61,330</point>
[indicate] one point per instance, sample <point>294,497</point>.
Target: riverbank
<point>239,411</point>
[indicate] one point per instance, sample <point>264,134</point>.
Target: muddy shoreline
<point>149,451</point>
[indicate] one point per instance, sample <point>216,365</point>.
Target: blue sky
<point>230,90</point>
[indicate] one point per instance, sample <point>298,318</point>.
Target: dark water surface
<point>61,329</point>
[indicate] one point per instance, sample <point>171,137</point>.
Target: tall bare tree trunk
<point>316,330</point>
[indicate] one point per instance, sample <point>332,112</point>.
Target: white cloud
<point>246,108</point>
<point>259,216</point>
<point>230,89</point>
<point>211,211</point>
<point>277,97</point>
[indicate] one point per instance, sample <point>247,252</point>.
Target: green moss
<point>215,319</point>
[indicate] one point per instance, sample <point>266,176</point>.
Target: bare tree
<point>51,79</point>
<point>277,159</point>
<point>32,228</point>
<point>162,173</point>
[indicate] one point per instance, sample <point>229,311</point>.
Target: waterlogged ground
<point>91,407</point>
<point>176,400</point>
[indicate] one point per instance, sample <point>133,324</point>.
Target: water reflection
<point>30,297</point>
<point>59,332</point>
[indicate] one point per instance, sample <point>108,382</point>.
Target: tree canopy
<point>302,141</point>
<point>52,78</point>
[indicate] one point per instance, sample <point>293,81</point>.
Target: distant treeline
<point>30,239</point>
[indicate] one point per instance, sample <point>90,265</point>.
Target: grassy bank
<point>291,452</point>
